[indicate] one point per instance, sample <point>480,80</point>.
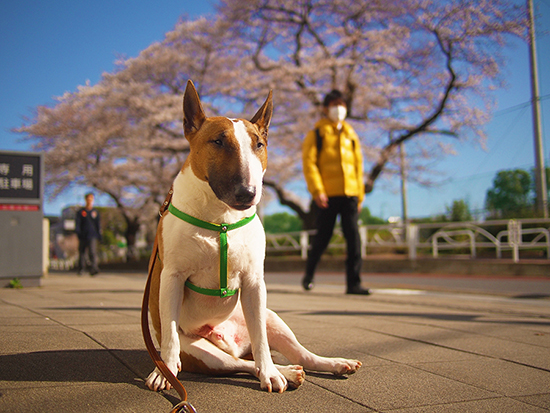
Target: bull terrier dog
<point>208,295</point>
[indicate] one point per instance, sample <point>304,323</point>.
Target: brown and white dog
<point>221,182</point>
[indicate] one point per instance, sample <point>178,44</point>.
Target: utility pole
<point>540,170</point>
<point>403,183</point>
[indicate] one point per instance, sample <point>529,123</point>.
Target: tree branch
<point>422,126</point>
<point>284,200</point>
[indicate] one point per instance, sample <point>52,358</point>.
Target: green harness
<point>223,291</point>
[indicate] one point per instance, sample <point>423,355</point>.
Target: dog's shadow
<point>103,366</point>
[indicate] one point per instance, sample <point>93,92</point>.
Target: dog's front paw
<point>156,381</point>
<point>345,366</point>
<point>272,379</point>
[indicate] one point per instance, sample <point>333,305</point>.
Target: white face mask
<point>337,113</point>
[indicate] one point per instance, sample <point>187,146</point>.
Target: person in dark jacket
<point>88,229</point>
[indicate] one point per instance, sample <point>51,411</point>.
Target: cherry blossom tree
<point>419,69</point>
<point>408,69</point>
<point>102,137</point>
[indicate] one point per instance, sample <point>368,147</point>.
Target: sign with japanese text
<point>20,176</point>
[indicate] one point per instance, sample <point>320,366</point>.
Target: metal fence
<point>459,237</point>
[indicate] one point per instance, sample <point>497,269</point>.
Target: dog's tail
<point>184,405</point>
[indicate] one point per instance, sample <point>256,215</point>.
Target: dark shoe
<point>358,290</point>
<point>94,272</point>
<point>307,283</point>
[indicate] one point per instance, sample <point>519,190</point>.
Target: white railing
<point>62,264</point>
<point>436,237</point>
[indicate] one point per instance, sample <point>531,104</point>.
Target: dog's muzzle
<point>245,194</point>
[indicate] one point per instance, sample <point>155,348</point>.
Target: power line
<point>518,106</point>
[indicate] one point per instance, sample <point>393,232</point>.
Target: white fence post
<point>304,244</point>
<point>364,240</point>
<point>514,238</point>
<point>412,240</point>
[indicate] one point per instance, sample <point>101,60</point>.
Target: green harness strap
<point>223,291</point>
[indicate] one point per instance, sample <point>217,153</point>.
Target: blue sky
<point>50,47</point>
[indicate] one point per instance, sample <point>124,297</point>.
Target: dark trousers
<point>346,207</point>
<point>89,246</point>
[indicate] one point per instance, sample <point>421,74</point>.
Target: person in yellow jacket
<point>333,169</point>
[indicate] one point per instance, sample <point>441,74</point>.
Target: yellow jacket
<point>338,171</point>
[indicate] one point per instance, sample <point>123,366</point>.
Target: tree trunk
<point>132,229</point>
<point>308,217</point>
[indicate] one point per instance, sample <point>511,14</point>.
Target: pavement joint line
<point>497,394</point>
<point>463,401</point>
<point>458,350</point>
<point>341,395</point>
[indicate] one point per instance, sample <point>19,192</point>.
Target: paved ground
<point>428,344</point>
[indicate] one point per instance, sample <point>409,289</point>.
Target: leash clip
<point>183,407</point>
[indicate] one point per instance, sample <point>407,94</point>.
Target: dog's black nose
<point>245,194</point>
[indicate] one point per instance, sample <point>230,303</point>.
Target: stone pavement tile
<point>319,338</point>
<point>478,304</point>
<point>384,346</point>
<point>334,303</point>
<point>136,360</point>
<point>503,349</point>
<point>497,325</point>
<point>32,320</point>
<point>75,316</point>
<point>9,311</point>
<point>61,368</point>
<point>399,386</point>
<point>502,377</point>
<point>115,336</point>
<point>87,398</point>
<point>448,336</point>
<point>30,299</point>
<point>104,303</point>
<point>541,400</point>
<point>26,339</point>
<point>500,405</point>
<point>524,331</point>
<point>407,351</point>
<point>520,329</point>
<point>241,393</point>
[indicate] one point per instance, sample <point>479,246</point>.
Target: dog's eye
<point>260,145</point>
<point>218,142</point>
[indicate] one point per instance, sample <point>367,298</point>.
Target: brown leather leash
<point>184,406</point>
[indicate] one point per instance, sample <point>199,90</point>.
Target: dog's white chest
<point>194,253</point>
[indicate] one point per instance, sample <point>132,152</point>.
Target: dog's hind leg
<point>202,356</point>
<point>282,339</point>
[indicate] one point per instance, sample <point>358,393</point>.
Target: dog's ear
<point>193,114</point>
<point>262,118</point>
